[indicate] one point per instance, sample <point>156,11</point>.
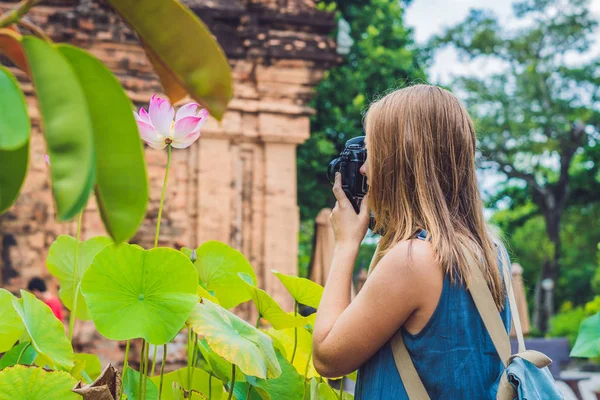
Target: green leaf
<point>60,263</point>
<point>47,333</point>
<point>289,385</point>
<point>199,383</point>
<point>218,366</point>
<point>24,351</point>
<point>218,265</point>
<point>31,383</point>
<point>15,126</point>
<point>235,340</point>
<point>285,337</point>
<point>121,180</point>
<point>67,126</point>
<point>204,294</point>
<point>11,325</point>
<point>187,49</point>
<point>587,344</point>
<point>131,384</point>
<point>133,293</point>
<point>268,308</point>
<point>13,169</point>
<point>91,365</point>
<point>303,290</point>
<point>241,390</point>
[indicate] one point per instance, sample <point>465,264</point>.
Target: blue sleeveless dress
<point>453,355</point>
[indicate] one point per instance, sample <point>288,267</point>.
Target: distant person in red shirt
<point>37,286</point>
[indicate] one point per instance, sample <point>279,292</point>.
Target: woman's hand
<point>349,228</point>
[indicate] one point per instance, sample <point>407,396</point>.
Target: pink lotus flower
<point>158,129</point>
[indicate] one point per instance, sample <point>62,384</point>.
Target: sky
<point>430,17</point>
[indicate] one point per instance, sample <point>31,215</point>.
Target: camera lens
<point>334,166</point>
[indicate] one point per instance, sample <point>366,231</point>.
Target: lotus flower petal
<point>188,110</point>
<point>182,143</point>
<point>185,126</point>
<point>151,136</point>
<point>144,116</point>
<point>161,115</point>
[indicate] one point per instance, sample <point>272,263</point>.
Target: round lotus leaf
<point>235,340</point>
<point>32,383</point>
<point>285,338</point>
<point>61,263</point>
<point>268,308</point>
<point>11,326</point>
<point>47,333</point>
<point>303,290</point>
<point>136,293</point>
<point>218,266</point>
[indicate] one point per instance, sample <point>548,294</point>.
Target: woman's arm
<point>348,334</point>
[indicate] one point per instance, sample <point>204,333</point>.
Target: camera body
<point>348,164</point>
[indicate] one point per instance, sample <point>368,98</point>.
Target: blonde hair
<point>421,147</point>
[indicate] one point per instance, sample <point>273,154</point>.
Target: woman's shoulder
<point>413,255</point>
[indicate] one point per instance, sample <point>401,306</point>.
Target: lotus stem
<point>160,210</point>
<point>162,371</point>
<point>153,361</point>
<point>75,287</point>
<point>189,355</point>
<point>210,386</point>
<point>140,394</point>
<point>306,372</point>
<point>232,382</point>
<point>17,13</point>
<point>258,321</point>
<point>342,387</point>
<point>162,196</point>
<point>295,334</point>
<point>249,391</point>
<point>194,357</point>
<point>36,30</point>
<point>145,376</point>
<point>125,364</point>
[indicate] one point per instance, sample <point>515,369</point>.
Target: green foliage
<point>268,308</point>
<point>11,325</point>
<point>24,383</point>
<point>588,339</point>
<point>67,126</point>
<point>122,197</point>
<point>23,353</point>
<point>235,340</point>
<point>61,264</point>
<point>218,265</point>
<point>200,383</point>
<point>304,291</point>
<point>13,169</point>
<point>131,386</point>
<point>135,293</point>
<point>14,121</point>
<point>185,55</point>
<point>47,334</point>
<point>383,56</point>
<point>566,323</point>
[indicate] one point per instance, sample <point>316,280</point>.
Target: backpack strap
<point>486,306</point>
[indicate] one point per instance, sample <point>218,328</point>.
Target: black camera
<point>348,164</point>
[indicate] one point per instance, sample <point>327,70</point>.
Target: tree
<point>383,56</point>
<point>539,118</point>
